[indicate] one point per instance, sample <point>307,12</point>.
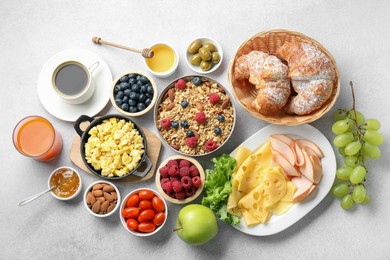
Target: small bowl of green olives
<point>204,55</point>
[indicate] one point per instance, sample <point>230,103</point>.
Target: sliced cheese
<point>274,186</point>
<point>291,189</point>
<point>241,155</point>
<point>282,207</point>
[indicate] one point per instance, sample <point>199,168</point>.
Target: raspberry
<point>174,179</point>
<point>164,180</point>
<point>191,191</point>
<point>191,141</point>
<point>173,171</point>
<point>167,186</point>
<point>181,84</point>
<point>184,171</point>
<point>165,123</point>
<point>210,145</point>
<point>184,163</point>
<point>180,195</point>
<point>196,181</point>
<point>172,195</point>
<point>176,186</point>
<point>200,117</point>
<point>214,98</point>
<point>194,171</point>
<point>164,171</point>
<point>172,162</point>
<point>186,182</point>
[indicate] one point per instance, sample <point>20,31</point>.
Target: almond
<point>104,206</point>
<point>90,198</point>
<point>221,89</point>
<point>96,206</point>
<point>199,106</point>
<point>108,196</point>
<point>114,195</point>
<point>171,94</point>
<point>196,135</point>
<point>165,96</point>
<point>101,199</point>
<point>111,207</point>
<point>108,188</point>
<point>97,193</point>
<point>225,103</point>
<point>170,106</point>
<point>97,186</point>
<point>208,83</point>
<point>175,146</point>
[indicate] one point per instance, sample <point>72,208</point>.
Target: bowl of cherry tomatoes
<point>143,212</point>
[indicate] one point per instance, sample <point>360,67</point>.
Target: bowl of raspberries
<point>180,179</point>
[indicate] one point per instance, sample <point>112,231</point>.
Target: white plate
<point>276,223</point>
<point>65,111</point>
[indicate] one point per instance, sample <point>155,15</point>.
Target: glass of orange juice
<point>35,137</point>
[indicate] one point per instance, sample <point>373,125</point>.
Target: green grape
<point>353,148</point>
<point>340,127</point>
<point>358,174</point>
<point>344,173</point>
<point>343,139</point>
<point>340,190</point>
<point>360,117</point>
<point>371,151</point>
<point>373,137</point>
<point>340,114</point>
<point>372,124</point>
<point>347,201</point>
<point>359,193</point>
<point>341,151</point>
<point>350,161</point>
<point>367,199</point>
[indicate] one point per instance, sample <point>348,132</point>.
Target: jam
<point>67,182</point>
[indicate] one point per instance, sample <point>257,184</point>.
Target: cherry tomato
<point>159,218</point>
<point>146,215</point>
<point>146,195</point>
<point>146,227</point>
<point>146,204</point>
<point>132,201</point>
<point>132,224</point>
<point>131,212</point>
<point>158,204</point>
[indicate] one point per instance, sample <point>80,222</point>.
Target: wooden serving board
<point>153,152</point>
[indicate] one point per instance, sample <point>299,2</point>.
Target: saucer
<point>55,105</point>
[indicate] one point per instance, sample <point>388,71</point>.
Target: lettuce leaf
<point>218,187</point>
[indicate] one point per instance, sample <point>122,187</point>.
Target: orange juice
<point>163,58</point>
<point>36,137</point>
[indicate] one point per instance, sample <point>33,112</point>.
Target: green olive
<point>215,58</point>
<point>205,65</point>
<point>195,59</point>
<point>194,47</point>
<point>205,54</point>
<point>210,46</point>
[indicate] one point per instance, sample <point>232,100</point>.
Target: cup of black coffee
<point>73,81</point>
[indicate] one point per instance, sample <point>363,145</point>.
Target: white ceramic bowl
<point>75,194</point>
<point>169,72</point>
<point>214,67</point>
<point>90,210</point>
<point>135,233</point>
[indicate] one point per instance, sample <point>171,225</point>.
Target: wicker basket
<point>270,42</point>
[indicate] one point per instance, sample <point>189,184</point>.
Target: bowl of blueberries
<point>133,93</point>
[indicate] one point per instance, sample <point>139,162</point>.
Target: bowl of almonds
<point>101,198</point>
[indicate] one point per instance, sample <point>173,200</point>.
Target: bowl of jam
<point>67,181</point>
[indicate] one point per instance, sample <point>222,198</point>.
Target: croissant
<point>312,76</point>
<point>269,75</point>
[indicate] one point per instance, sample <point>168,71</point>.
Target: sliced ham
<point>300,160</point>
<point>280,160</point>
<point>312,168</point>
<point>306,143</point>
<point>305,187</point>
<point>283,138</point>
<point>284,149</point>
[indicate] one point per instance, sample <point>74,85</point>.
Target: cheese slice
<point>282,207</point>
<point>291,189</point>
<point>241,155</point>
<point>275,186</point>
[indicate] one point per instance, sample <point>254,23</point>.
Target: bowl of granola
<point>194,115</point>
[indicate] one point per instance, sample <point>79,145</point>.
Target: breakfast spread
<point>101,198</point>
<point>66,181</point>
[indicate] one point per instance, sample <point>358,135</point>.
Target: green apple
<point>196,224</point>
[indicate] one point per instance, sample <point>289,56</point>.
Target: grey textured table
<point>355,32</point>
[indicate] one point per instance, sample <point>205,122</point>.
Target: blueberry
<point>125,99</point>
<point>135,88</point>
<point>221,118</point>
<point>133,109</point>
<point>133,96</point>
<point>124,85</point>
<point>217,131</point>
<point>148,101</point>
<point>132,103</point>
<point>184,123</point>
<point>197,81</point>
<point>143,89</point>
<point>119,95</point>
<point>124,79</point>
<point>144,79</point>
<point>184,104</point>
<point>138,77</point>
<point>141,97</point>
<point>141,106</point>
<point>149,89</point>
<point>149,95</point>
<point>125,107</point>
<point>190,133</point>
<point>118,102</point>
<point>127,92</point>
<point>132,81</point>
<point>139,82</point>
<point>132,76</point>
<point>175,124</point>
<point>117,88</point>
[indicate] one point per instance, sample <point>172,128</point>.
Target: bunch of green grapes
<point>357,140</point>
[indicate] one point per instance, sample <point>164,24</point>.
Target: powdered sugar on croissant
<point>269,75</point>
<point>312,75</point>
